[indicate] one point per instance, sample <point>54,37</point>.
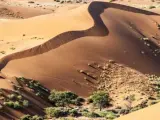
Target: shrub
<point>151,7</point>
<point>90,114</point>
<point>108,115</point>
<point>55,112</point>
<point>29,117</point>
<point>38,94</point>
<point>36,117</point>
<point>2,52</point>
<point>111,116</point>
<point>60,98</point>
<point>12,48</point>
<point>25,103</point>
<point>19,97</point>
<point>89,100</point>
<point>9,104</point>
<point>30,1</point>
<point>73,112</point>
<point>78,101</point>
<point>12,96</point>
<point>25,117</point>
<point>100,98</point>
<point>17,105</point>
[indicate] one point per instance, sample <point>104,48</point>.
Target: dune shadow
<point>95,9</point>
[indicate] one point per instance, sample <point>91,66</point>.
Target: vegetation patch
<point>64,104</point>
<point>29,117</point>
<point>100,99</point>
<point>63,98</point>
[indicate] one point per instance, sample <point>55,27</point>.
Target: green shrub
<point>55,112</point>
<point>25,117</point>
<point>100,99</point>
<point>111,116</point>
<point>103,113</point>
<point>78,101</point>
<point>36,117</point>
<point>60,98</point>
<point>12,96</point>
<point>29,117</point>
<point>73,112</point>
<point>9,104</point>
<point>25,103</point>
<point>90,114</point>
<point>108,115</point>
<point>19,97</point>
<point>38,94</point>
<point>17,105</point>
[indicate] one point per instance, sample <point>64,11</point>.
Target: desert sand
<point>150,113</point>
<point>53,45</point>
<point>100,31</point>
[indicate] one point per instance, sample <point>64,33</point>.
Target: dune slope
<point>144,114</point>
<point>92,33</point>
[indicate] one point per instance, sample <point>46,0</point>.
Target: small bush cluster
<point>74,113</point>
<point>15,105</point>
<point>63,98</point>
<point>100,99</point>
<point>55,112</point>
<point>29,117</point>
<point>90,114</point>
<point>39,90</point>
<point>108,115</point>
<point>64,102</point>
<point>14,97</point>
<point>16,101</point>
<point>155,80</point>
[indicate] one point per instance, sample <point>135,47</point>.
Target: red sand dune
<point>115,35</point>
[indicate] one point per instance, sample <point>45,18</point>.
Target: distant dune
<point>96,32</point>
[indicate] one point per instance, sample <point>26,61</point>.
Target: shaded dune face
<point>115,35</point>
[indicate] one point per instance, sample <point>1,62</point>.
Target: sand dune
<point>55,48</point>
<point>99,31</point>
<point>150,113</point>
<point>37,30</point>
